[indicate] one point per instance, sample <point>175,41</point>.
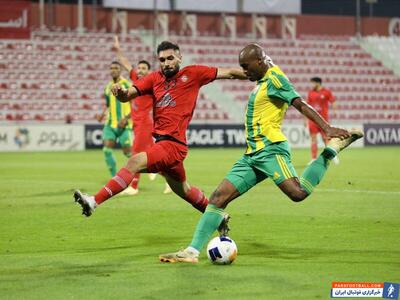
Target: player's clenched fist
<point>119,92</point>
<point>116,88</point>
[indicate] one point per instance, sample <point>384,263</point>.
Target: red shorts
<point>143,139</point>
<point>314,129</point>
<point>166,157</point>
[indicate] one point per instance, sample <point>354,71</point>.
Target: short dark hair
<point>145,62</point>
<point>115,62</point>
<point>166,45</point>
<point>316,79</point>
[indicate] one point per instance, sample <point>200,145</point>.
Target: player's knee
<point>218,199</point>
<point>107,150</point>
<point>297,195</point>
<point>133,164</point>
<point>127,153</point>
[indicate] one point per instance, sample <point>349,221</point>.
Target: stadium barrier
<point>382,134</point>
<point>80,137</point>
<point>42,138</point>
<point>219,135</point>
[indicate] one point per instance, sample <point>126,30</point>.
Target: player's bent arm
<point>230,73</point>
<point>122,59</point>
<point>309,112</point>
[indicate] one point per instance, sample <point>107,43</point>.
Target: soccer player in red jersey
<point>175,92</point>
<point>141,114</point>
<point>319,98</point>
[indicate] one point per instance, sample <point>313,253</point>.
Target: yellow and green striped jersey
<point>116,109</point>
<point>266,109</point>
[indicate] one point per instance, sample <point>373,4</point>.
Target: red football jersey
<point>142,106</point>
<point>175,98</point>
<point>320,101</point>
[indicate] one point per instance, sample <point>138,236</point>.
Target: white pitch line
<point>359,191</point>
<point>317,189</point>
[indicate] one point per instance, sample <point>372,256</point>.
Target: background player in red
<point>175,92</point>
<point>319,98</point>
<point>142,116</point>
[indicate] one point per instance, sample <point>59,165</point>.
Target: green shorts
<point>273,161</point>
<point>122,135</point>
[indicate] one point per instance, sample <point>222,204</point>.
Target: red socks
<point>135,181</point>
<point>116,185</point>
<point>196,197</point>
<point>123,178</point>
<point>314,150</point>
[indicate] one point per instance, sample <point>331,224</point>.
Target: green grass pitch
<point>348,230</point>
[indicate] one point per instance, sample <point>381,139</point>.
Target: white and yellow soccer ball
<point>222,250</point>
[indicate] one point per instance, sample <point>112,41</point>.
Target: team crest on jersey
<point>184,78</point>
<point>166,100</point>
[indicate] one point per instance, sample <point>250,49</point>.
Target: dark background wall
<point>383,8</point>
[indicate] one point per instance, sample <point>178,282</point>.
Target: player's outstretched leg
<point>189,193</point>
<point>313,174</point>
<point>114,186</point>
<point>212,219</point>
<point>299,190</point>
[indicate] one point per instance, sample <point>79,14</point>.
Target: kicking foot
<point>152,176</point>
<point>223,228</point>
<point>338,144</point>
<point>87,203</point>
<point>167,189</point>
<point>130,191</point>
<point>180,256</point>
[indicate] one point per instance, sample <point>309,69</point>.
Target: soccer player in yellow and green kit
<point>268,152</point>
<point>118,124</point>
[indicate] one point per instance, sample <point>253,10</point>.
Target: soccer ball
<point>221,250</point>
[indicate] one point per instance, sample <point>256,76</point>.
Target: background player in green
<point>268,152</point>
<point>118,124</point>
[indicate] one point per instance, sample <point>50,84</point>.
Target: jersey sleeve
<point>205,74</point>
<point>133,75</point>
<point>331,98</point>
<point>280,87</point>
<point>145,84</point>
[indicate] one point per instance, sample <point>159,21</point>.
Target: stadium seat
<point>58,73</point>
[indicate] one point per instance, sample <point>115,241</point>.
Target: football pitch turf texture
<point>348,230</point>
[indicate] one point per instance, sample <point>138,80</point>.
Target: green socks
<point>207,225</point>
<point>110,160</point>
<point>313,174</point>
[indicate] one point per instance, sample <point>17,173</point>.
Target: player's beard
<point>170,72</point>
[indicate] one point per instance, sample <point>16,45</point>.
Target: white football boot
<point>130,191</point>
<point>167,189</point>
<point>338,144</point>
<point>86,201</point>
<point>180,256</point>
<point>152,176</point>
